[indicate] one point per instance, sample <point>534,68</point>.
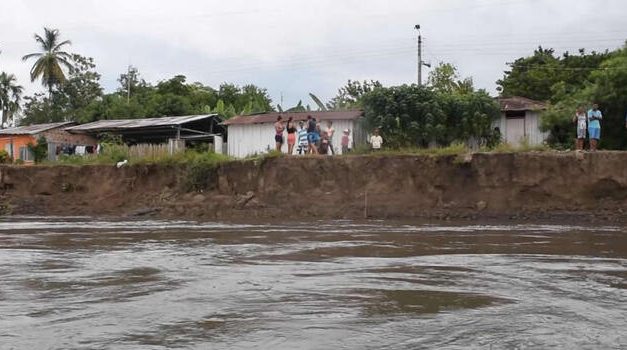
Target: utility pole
<point>417,27</point>
<point>128,85</point>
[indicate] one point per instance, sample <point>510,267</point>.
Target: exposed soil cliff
<point>531,184</point>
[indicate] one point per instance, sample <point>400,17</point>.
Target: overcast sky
<point>296,47</point>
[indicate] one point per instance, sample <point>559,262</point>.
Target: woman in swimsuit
<point>278,133</point>
<point>291,135</point>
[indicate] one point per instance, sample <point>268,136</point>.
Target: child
<point>346,141</point>
<point>376,140</point>
<point>324,143</point>
<point>580,119</point>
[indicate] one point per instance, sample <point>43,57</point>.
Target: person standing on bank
<point>303,143</point>
<point>291,135</point>
<point>581,121</point>
<point>312,135</point>
<point>376,140</point>
<point>330,132</point>
<point>346,139</point>
<point>594,126</point>
<point>278,133</point>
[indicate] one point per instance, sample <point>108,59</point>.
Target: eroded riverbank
<point>547,185</point>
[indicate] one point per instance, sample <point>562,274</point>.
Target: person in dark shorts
<point>312,135</point>
<point>278,133</point>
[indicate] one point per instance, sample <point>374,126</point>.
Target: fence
<point>149,151</point>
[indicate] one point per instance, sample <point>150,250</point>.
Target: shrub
<point>5,158</point>
<point>200,169</point>
<point>39,150</point>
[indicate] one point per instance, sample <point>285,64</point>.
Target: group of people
<point>309,137</point>
<point>588,125</point>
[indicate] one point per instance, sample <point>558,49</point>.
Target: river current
<point>83,283</point>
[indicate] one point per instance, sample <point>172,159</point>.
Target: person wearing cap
<point>346,141</point>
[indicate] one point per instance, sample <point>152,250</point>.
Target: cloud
<point>296,47</point>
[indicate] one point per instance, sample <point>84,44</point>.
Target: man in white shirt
<point>376,140</point>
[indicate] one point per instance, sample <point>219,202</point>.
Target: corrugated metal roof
<point>517,103</point>
<point>127,124</point>
<point>33,129</point>
<point>271,117</point>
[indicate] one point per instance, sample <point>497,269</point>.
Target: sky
<point>296,47</point>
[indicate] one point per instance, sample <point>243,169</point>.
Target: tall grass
<point>453,149</point>
<point>111,154</point>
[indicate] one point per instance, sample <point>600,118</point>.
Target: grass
<point>453,149</point>
<point>112,154</point>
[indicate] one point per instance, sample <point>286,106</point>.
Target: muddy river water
<point>81,283</point>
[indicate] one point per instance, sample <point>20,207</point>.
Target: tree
<point>75,100</point>
<point>50,62</point>
<point>349,96</point>
<point>318,102</point>
<point>606,86</point>
<point>536,76</point>
<point>81,90</point>
<point>130,82</point>
<point>445,79</point>
<point>10,97</point>
<point>411,116</point>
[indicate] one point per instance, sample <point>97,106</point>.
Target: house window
<point>515,114</point>
<point>9,149</point>
<point>26,154</point>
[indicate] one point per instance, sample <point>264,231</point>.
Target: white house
<point>520,120</point>
<point>254,134</point>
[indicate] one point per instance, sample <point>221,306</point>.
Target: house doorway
<point>515,128</point>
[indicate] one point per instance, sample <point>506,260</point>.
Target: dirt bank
<point>482,185</point>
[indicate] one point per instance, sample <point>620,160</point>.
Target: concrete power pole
<point>419,55</point>
<point>128,85</point>
<point>417,27</point>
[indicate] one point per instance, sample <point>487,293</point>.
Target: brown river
<point>82,283</point>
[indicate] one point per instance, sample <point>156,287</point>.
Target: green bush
<point>200,169</point>
<point>5,158</point>
<point>39,150</point>
<point>415,116</point>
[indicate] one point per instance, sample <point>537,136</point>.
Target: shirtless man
<point>330,133</point>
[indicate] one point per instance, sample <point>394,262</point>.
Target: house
<point>254,134</point>
<point>15,140</point>
<point>520,120</point>
<point>173,130</point>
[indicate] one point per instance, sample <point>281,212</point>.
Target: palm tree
<point>10,96</point>
<point>49,62</point>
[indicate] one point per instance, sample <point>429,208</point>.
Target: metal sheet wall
<point>249,139</point>
<point>532,128</point>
